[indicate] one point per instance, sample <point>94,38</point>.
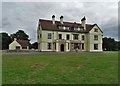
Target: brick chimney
<point>83,22</point>
<point>15,39</point>
<point>53,19</point>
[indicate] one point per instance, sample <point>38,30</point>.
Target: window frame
<point>49,35</point>
<point>83,37</point>
<point>96,37</point>
<point>95,46</point>
<point>75,36</point>
<point>49,45</point>
<point>67,36</point>
<point>59,37</point>
<point>95,29</point>
<point>76,46</point>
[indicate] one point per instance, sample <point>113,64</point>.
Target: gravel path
<point>29,53</point>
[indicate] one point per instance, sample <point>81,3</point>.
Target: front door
<point>62,47</point>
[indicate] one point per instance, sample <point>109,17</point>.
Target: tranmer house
<point>63,36</point>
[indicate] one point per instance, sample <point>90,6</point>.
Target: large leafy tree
<point>34,45</point>
<point>119,45</point>
<point>109,44</point>
<point>5,40</point>
<point>20,35</point>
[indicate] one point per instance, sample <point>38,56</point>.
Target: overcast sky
<point>25,15</point>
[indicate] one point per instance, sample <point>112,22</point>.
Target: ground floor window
<point>49,45</point>
<point>95,46</point>
<point>55,45</point>
<point>17,47</point>
<point>82,46</point>
<point>76,45</point>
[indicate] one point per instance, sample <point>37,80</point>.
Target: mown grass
<point>61,69</point>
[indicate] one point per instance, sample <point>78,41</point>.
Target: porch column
<point>80,47</point>
<point>70,46</point>
<point>57,47</point>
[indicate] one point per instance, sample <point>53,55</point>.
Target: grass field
<point>61,69</point>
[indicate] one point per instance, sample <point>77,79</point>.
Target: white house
<point>65,36</point>
<point>19,45</point>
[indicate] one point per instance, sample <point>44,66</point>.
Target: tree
<point>20,35</point>
<point>34,45</point>
<point>109,44</point>
<point>118,45</point>
<point>6,40</point>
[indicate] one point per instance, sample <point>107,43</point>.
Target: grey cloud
<point>0,15</point>
<point>25,15</point>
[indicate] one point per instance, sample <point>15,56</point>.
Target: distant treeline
<point>109,44</point>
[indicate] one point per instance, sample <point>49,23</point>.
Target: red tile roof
<point>48,25</point>
<point>23,43</point>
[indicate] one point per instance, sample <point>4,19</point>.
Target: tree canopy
<point>6,40</point>
<point>34,45</point>
<point>20,35</point>
<point>110,44</point>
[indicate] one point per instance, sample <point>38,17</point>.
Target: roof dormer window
<point>60,27</point>
<point>75,28</point>
<point>81,29</point>
<point>64,28</point>
<point>78,29</point>
<point>67,28</point>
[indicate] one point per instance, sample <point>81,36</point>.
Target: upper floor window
<point>95,46</point>
<point>83,37</point>
<point>67,36</point>
<point>95,30</point>
<point>49,35</point>
<point>60,36</point>
<point>95,37</point>
<point>75,36</point>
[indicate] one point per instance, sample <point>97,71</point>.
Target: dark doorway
<point>62,47</point>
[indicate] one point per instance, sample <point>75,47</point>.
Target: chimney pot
<point>83,22</point>
<point>53,19</point>
<point>61,19</point>
<point>53,16</point>
<point>83,18</point>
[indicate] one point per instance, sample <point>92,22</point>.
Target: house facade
<point>61,36</point>
<point>19,45</point>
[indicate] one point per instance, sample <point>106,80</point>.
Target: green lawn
<point>61,69</point>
